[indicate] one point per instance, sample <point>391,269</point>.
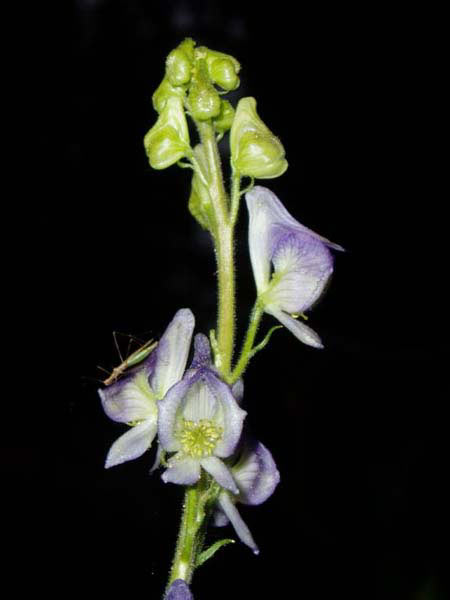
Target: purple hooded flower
<point>257,476</point>
<point>135,397</point>
<point>301,260</point>
<point>200,421</point>
<point>179,590</point>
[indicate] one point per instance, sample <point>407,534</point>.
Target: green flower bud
<point>222,68</point>
<point>224,119</point>
<point>168,140</point>
<point>164,91</point>
<point>223,73</point>
<point>179,63</point>
<point>199,200</point>
<point>204,101</point>
<point>255,150</point>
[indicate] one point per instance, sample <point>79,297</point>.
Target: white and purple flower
<point>257,476</point>
<point>134,399</point>
<point>301,260</point>
<point>200,422</point>
<point>179,590</point>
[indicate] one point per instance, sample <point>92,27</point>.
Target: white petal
<point>219,518</point>
<point>172,352</point>
<point>237,390</point>
<point>199,402</point>
<point>301,331</point>
<point>228,507</point>
<point>303,266</point>
<point>256,474</point>
<point>129,399</point>
<point>260,221</point>
<point>264,200</point>
<point>184,471</point>
<point>221,473</point>
<point>132,444</point>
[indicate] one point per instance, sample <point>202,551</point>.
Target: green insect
<point>133,359</point>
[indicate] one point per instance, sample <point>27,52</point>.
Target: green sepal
<point>199,200</point>
<point>179,63</point>
<point>224,120</point>
<point>255,150</point>
<point>209,552</point>
<point>164,91</point>
<point>168,140</point>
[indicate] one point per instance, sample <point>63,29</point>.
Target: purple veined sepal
<point>301,259</point>
<point>134,398</point>
<point>179,590</point>
<point>257,476</point>
<point>200,423</point>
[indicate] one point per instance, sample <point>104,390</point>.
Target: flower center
<point>199,438</point>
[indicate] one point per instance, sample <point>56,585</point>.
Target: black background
<point>106,244</point>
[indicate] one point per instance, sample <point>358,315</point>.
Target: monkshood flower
<point>200,421</point>
<point>135,397</point>
<point>257,476</point>
<point>301,259</point>
<point>179,590</point>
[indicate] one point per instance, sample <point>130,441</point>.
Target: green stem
<point>246,353</point>
<point>235,195</point>
<point>224,246</point>
<point>185,554</point>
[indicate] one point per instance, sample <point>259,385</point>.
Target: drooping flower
<point>257,476</point>
<point>200,421</point>
<point>179,590</point>
<point>301,259</point>
<point>135,397</point>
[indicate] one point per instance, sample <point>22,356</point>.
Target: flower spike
<point>301,259</point>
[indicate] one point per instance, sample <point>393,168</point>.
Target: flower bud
<point>200,200</point>
<point>222,68</point>
<point>223,73</point>
<point>224,119</point>
<point>168,140</point>
<point>255,150</point>
<point>204,101</point>
<point>179,63</point>
<point>163,92</point>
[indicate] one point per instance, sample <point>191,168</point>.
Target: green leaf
<point>209,552</point>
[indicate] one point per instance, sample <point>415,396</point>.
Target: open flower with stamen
<point>200,422</point>
<point>301,259</point>
<point>257,476</point>
<point>135,397</point>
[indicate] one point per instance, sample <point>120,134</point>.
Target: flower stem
<point>224,247</point>
<point>246,352</point>
<point>184,560</point>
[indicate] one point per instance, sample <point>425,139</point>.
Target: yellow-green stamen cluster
<point>199,438</point>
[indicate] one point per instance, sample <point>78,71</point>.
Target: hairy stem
<point>185,554</point>
<point>224,242</point>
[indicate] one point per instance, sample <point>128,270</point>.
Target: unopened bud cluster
<point>194,84</point>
